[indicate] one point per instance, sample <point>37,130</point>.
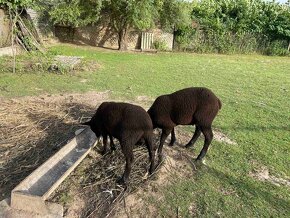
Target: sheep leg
<point>151,150</point>
<point>173,139</point>
<point>112,145</point>
<point>140,142</point>
<point>194,137</point>
<point>127,150</point>
<point>105,140</point>
<point>207,132</point>
<point>165,133</point>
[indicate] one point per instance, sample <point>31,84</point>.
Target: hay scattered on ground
<point>141,202</point>
<point>31,131</point>
<point>95,180</point>
<point>34,128</point>
<point>91,190</point>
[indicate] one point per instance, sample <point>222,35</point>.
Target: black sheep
<point>128,123</point>
<point>191,106</point>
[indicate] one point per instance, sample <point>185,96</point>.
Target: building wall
<point>5,29</point>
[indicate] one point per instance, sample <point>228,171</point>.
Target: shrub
<point>277,47</point>
<point>236,26</point>
<point>160,45</point>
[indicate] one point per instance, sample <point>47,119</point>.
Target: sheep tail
<point>220,104</point>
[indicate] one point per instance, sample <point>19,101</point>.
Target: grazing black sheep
<point>128,123</point>
<point>191,106</point>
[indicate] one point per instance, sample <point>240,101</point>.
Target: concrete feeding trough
<point>31,193</point>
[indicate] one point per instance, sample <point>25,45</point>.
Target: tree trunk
<point>123,39</point>
<point>174,44</point>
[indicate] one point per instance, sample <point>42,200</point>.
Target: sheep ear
<point>86,123</point>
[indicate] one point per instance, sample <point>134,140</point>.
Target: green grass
<point>255,91</point>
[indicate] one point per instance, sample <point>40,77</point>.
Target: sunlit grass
<point>255,91</point>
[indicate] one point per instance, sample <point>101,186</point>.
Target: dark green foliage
<point>16,4</point>
<point>128,14</point>
<point>174,14</point>
<point>237,26</point>
<point>185,36</point>
<point>277,47</point>
<point>121,15</point>
<point>223,26</point>
<point>160,45</point>
<point>70,13</point>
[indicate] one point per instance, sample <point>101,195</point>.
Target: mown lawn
<point>255,91</point>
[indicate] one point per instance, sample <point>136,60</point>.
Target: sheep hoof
<point>170,144</point>
<point>187,145</point>
<point>112,150</point>
<point>146,175</point>
<point>200,162</point>
<point>161,157</point>
<point>103,152</point>
<point>121,181</point>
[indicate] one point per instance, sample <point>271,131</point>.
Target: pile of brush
<point>24,31</point>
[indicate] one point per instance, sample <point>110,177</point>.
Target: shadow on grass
<point>56,131</point>
<point>251,128</point>
<point>248,190</point>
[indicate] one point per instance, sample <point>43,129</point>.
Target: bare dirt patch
<point>177,165</point>
<point>220,137</point>
<point>262,174</point>
<point>91,190</point>
<point>144,98</point>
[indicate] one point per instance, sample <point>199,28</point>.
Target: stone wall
<point>43,27</point>
<point>103,36</point>
<point>5,29</point>
<point>167,38</point>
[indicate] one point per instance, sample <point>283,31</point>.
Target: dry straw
<point>30,132</point>
<point>33,129</point>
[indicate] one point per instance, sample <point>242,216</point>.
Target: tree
<point>176,16</point>
<point>74,13</point>
<point>277,25</point>
<point>145,14</point>
<point>20,33</point>
<point>15,4</point>
<point>127,14</point>
<point>122,15</point>
<point>70,13</point>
